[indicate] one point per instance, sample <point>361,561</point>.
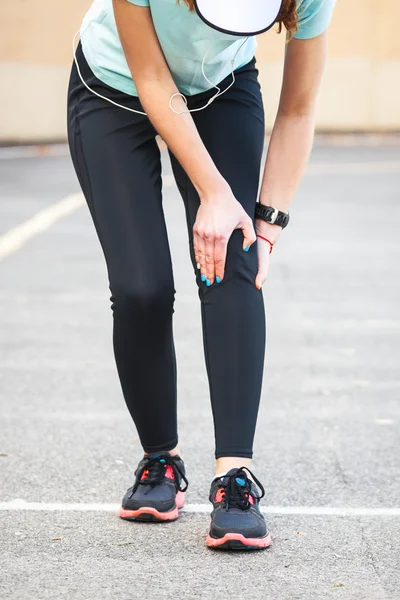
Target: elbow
<point>298,112</point>
<point>303,108</point>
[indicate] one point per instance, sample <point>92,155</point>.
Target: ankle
<point>174,452</point>
<point>226,463</point>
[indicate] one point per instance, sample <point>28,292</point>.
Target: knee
<point>241,266</point>
<point>147,299</point>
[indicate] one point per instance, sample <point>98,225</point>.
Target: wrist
<point>271,232</point>
<point>212,188</point>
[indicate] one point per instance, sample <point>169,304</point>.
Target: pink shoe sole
<point>237,541</point>
<point>147,513</point>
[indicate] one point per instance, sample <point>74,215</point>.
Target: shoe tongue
<point>241,481</point>
<point>234,498</point>
<point>158,454</point>
<point>161,456</point>
<point>231,472</point>
<point>156,470</point>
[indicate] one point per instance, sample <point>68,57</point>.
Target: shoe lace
<point>237,493</point>
<point>154,469</point>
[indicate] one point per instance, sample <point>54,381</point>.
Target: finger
<point>197,257</point>
<point>200,253</point>
<point>209,256</point>
<point>196,251</point>
<point>220,250</point>
<point>249,235</point>
<point>263,263</point>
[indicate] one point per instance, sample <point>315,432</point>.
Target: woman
<point>158,60</point>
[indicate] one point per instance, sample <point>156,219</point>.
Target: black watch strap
<point>271,215</point>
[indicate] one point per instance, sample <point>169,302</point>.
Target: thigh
<point>118,164</point>
<point>233,131</point>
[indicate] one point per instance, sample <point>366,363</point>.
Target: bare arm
<point>155,87</point>
<point>293,132</point>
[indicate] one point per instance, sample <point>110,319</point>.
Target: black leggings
<point>117,161</point>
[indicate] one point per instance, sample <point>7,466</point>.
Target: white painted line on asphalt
<point>56,507</point>
<point>339,511</point>
<point>330,511</point>
<point>17,237</point>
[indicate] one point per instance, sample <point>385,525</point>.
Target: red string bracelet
<point>265,240</point>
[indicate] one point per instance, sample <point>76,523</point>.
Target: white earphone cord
<point>139,112</point>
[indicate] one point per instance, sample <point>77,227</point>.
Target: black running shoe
<point>157,493</point>
<point>236,521</point>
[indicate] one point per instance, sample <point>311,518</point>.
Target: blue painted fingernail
<point>217,279</point>
<point>203,277</point>
<point>247,248</point>
<point>208,283</point>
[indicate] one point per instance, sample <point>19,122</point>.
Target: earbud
<point>139,112</point>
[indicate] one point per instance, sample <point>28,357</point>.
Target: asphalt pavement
<point>328,438</point>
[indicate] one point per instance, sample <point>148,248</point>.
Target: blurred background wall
<point>361,89</point>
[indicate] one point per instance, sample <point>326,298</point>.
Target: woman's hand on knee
<point>218,216</point>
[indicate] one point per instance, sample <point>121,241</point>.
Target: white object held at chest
<point>239,17</point>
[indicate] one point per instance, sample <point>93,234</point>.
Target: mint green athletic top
<point>185,39</point>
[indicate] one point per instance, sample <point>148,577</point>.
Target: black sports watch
<point>271,215</point>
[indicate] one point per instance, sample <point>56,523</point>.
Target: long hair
<point>287,17</point>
